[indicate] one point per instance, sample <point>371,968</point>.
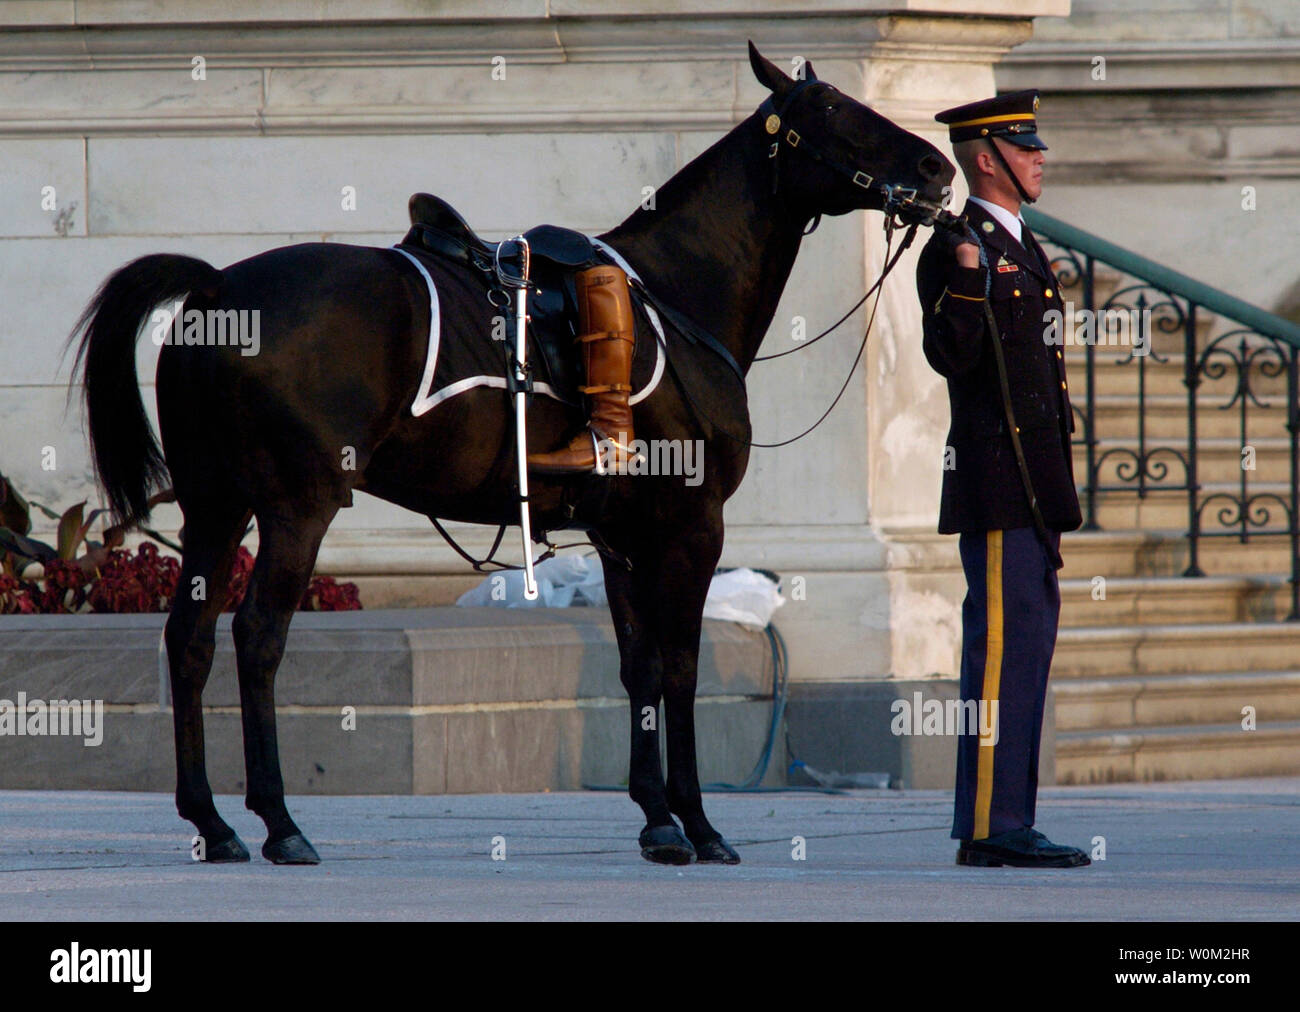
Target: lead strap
<point>1039,526</point>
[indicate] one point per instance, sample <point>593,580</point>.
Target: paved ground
<point>1199,851</point>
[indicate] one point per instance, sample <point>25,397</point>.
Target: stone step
<point>1172,648</point>
<point>447,700</point>
<point>413,590</point>
<point>1103,600</point>
<point>1114,375</point>
<point>1106,281</point>
<point>1130,553</point>
<point>1217,459</point>
<point>1166,416</point>
<point>1115,704</point>
<point>1117,334</point>
<point>1177,753</point>
<point>1163,509</point>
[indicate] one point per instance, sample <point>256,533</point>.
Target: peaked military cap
<point>1011,117</point>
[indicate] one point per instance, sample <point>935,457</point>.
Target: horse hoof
<point>231,851</point>
<point>717,851</point>
<point>291,850</point>
<point>665,845</point>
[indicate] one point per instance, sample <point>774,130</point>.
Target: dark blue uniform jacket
<point>982,489</point>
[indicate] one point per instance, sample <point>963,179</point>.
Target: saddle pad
<point>438,385</point>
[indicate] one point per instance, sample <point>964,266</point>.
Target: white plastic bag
<point>741,595</point>
<point>562,582</point>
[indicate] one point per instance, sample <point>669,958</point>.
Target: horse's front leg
<point>631,605</point>
<point>687,566</point>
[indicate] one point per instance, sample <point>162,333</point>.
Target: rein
<point>890,263</point>
<point>896,198</point>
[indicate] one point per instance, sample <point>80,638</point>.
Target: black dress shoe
<point>1020,848</point>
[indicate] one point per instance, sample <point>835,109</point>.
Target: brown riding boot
<point>608,339</point>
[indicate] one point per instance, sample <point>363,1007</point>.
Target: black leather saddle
<point>439,228</point>
<point>557,253</point>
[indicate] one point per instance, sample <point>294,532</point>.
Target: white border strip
<point>422,402</point>
<point>470,382</point>
<point>658,374</point>
<point>426,400</point>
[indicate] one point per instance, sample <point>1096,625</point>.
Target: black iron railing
<point>1252,367</point>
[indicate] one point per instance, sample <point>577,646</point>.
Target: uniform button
<point>1048,293</point>
<point>1058,354</point>
<point>1063,386</point>
<point>1016,293</point>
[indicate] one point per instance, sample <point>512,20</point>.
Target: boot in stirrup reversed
<point>608,338</point>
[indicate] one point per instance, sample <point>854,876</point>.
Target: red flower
<point>144,582</point>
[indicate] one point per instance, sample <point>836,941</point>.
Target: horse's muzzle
<point>913,209</point>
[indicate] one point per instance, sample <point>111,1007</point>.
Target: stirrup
<point>629,455</point>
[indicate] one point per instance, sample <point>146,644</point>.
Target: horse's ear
<point>768,73</point>
<point>808,73</point>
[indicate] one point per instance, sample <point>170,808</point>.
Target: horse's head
<point>831,154</point>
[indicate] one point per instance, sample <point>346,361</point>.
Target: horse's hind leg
<point>286,556</point>
<point>212,535</point>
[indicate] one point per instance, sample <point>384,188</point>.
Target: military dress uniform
<point>1012,607</point>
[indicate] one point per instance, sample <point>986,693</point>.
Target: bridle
<point>897,201</point>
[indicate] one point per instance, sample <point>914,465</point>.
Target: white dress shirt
<point>1011,222</point>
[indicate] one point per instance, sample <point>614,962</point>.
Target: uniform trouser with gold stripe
<point>1009,621</point>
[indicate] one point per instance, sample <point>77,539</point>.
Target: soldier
<point>1008,483</point>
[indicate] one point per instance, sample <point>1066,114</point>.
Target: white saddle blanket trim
<point>470,382</point>
<point>426,399</point>
<point>658,374</point>
<point>422,402</point>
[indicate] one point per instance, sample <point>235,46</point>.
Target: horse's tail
<point>128,460</point>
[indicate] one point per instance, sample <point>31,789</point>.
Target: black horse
<point>343,337</point>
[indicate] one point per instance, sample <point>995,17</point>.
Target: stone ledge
<point>116,13</point>
<point>1164,65</point>
<point>845,726</point>
<point>448,700</point>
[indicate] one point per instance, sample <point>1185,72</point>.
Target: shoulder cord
<point>1039,526</point>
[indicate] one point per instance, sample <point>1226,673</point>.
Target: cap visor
<point>1025,140</point>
